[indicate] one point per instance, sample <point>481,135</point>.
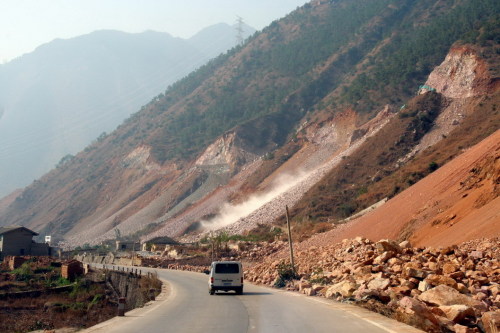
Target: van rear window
<point>227,268</point>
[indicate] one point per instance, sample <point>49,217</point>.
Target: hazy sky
<point>26,24</point>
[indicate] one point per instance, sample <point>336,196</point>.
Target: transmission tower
<point>239,30</point>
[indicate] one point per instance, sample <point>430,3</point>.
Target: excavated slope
<point>457,202</point>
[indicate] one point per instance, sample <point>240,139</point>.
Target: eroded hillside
<point>313,104</point>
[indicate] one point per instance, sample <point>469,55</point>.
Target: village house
<point>158,244</point>
<point>18,241</point>
<point>127,246</point>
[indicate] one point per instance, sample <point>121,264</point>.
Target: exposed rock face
<point>460,75</point>
<point>225,151</point>
<point>438,290</point>
<point>323,156</point>
<point>139,158</point>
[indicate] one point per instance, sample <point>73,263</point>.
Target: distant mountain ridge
<point>57,99</point>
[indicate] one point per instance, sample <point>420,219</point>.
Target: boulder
<point>433,266</point>
<point>418,314</point>
<point>448,250</point>
<point>469,265</point>
<point>494,290</point>
<point>462,288</point>
<point>304,284</point>
<point>318,288</point>
<point>491,321</point>
<point>457,313</point>
<point>382,258</point>
<point>364,293</point>
<point>401,290</point>
<point>436,280</point>
<point>309,291</point>
<point>379,283</point>
<point>344,288</point>
<point>416,273</point>
<point>457,328</point>
<point>397,268</point>
<point>476,254</point>
<point>424,286</point>
<point>363,270</point>
<point>480,296</point>
<point>478,276</point>
<point>405,244</point>
<point>445,295</point>
<point>394,261</point>
<point>457,275</point>
<point>412,264</point>
<point>386,245</point>
<point>449,268</point>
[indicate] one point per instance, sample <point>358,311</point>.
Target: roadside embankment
<point>452,289</point>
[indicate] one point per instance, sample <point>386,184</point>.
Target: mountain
<point>66,93</point>
<point>329,111</point>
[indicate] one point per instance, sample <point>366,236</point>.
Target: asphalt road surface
<point>188,307</point>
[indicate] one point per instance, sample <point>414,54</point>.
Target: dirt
<point>35,297</point>
<point>440,209</point>
<point>49,312</point>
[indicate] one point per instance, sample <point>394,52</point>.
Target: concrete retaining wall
<point>109,259</point>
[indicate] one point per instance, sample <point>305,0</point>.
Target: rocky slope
<point>462,80</point>
<point>446,289</point>
<point>457,202</point>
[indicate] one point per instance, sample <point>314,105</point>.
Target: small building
<point>72,269</point>
<point>158,244</point>
<point>18,241</point>
<point>128,246</point>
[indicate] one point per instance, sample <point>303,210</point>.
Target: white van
<point>225,275</point>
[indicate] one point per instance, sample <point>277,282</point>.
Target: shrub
<point>23,273</point>
<point>433,166</point>
<point>286,273</point>
<point>318,276</point>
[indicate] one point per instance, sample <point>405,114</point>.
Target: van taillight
<point>242,280</point>
<point>211,280</point>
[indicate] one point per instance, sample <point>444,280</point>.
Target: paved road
<point>188,307</point>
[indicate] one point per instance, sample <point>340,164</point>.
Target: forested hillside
<point>263,99</point>
<point>57,99</point>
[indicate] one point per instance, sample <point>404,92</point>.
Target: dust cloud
<point>229,213</point>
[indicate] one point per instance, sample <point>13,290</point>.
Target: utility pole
<point>212,242</point>
<point>239,30</point>
<point>290,239</point>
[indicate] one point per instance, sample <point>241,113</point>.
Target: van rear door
<point>227,275</point>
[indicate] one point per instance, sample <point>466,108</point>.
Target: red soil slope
<point>458,202</point>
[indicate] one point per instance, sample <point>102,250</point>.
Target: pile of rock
<point>256,251</point>
<point>447,289</point>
